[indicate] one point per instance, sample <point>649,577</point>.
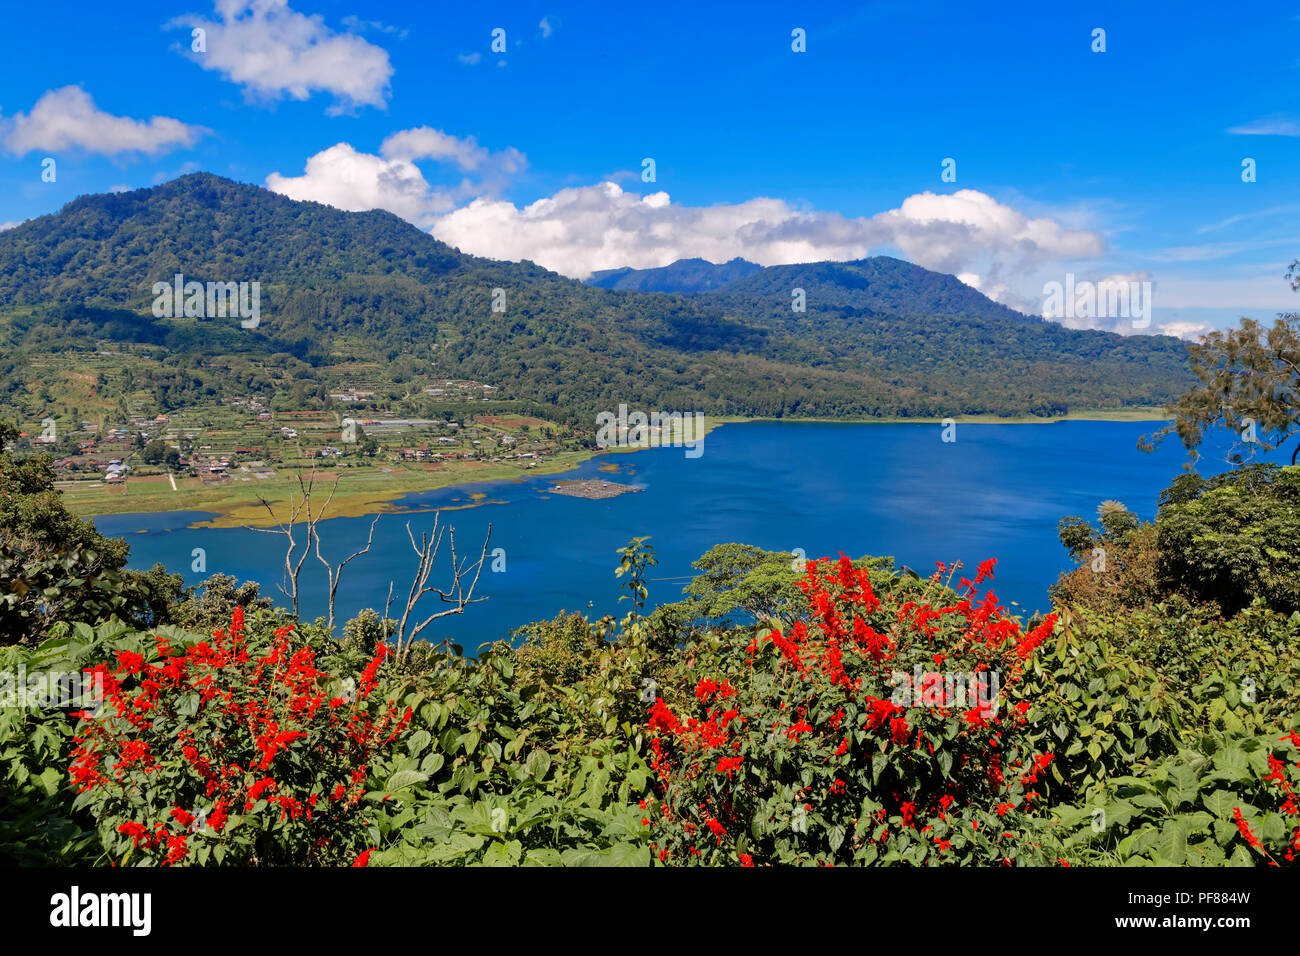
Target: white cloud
<point>1185,330</point>
<point>1169,300</point>
<point>1279,124</point>
<point>1218,250</point>
<point>357,25</point>
<point>990,245</point>
<point>580,230</point>
<point>67,118</point>
<point>469,59</point>
<point>545,27</point>
<point>1000,292</point>
<point>423,142</point>
<point>273,51</point>
<point>119,188</point>
<point>342,177</point>
<point>1287,209</point>
<point>10,225</point>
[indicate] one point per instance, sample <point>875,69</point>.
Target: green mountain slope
<point>880,283</point>
<point>684,275</point>
<point>340,289</point>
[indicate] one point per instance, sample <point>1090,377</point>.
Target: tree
<point>55,566</point>
<point>1248,378</point>
<point>208,604</point>
<point>1116,519</point>
<point>455,594</point>
<point>155,452</point>
<point>1233,538</point>
<point>737,579</point>
<point>300,506</point>
<point>1116,563</point>
<point>367,631</point>
<point>334,573</point>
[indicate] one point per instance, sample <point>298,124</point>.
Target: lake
<point>997,491</point>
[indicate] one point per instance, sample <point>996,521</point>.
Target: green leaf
<point>538,764</point>
<point>1220,803</point>
<point>835,837</point>
<point>544,857</point>
<point>418,741</point>
<point>1232,764</point>
<point>432,763</point>
<point>1186,783</point>
<point>944,759</point>
<point>403,779</point>
<point>623,854</point>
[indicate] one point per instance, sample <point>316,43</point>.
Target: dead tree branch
<point>455,594</point>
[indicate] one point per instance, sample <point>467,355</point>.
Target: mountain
<point>684,275</point>
<point>367,296</point>
<point>878,282</point>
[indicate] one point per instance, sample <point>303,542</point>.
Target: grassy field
<point>362,490</point>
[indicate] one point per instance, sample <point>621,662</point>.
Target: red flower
<point>134,830</point>
<point>1244,828</point>
<point>661,718</point>
<point>727,765</point>
<point>218,817</point>
<point>256,790</point>
<point>705,689</point>
<point>176,848</point>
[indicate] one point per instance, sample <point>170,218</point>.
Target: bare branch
<point>459,592</point>
<point>335,574</point>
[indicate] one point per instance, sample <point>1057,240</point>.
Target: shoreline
<point>240,512</point>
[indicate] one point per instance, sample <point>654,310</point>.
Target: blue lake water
<point>997,491</point>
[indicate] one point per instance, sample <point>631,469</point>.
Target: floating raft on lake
<point>591,488</point>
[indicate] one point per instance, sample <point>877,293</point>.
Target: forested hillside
<point>684,275</point>
<point>879,337</point>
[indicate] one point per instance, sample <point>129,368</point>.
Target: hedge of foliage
<point>845,713</point>
<point>1154,735</point>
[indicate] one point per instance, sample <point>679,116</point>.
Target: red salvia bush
<point>1283,779</point>
<point>829,744</point>
<point>235,750</point>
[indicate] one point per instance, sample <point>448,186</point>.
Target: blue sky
<point>1123,163</point>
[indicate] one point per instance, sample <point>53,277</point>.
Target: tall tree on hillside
<point>56,567</point>
<point>1248,383</point>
